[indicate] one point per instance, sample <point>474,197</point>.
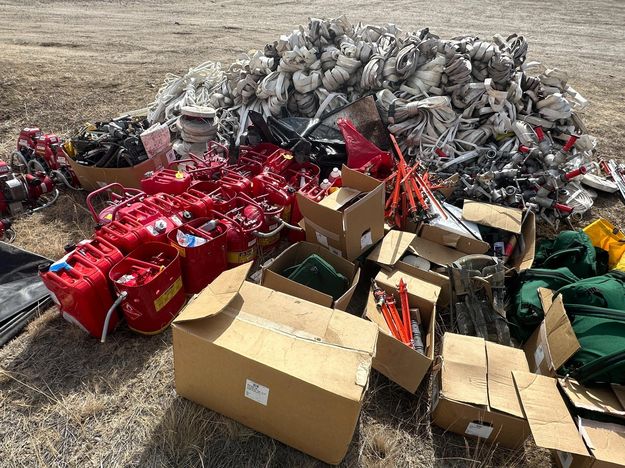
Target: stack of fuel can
<point>155,246</point>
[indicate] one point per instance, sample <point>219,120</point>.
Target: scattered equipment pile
<point>411,165</point>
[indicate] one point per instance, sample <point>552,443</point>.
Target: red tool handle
<point>574,173</point>
<point>563,208</point>
<point>570,143</point>
<point>540,133</point>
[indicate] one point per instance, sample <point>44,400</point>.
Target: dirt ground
<point>67,400</point>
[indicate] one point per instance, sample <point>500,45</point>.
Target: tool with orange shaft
<point>420,182</point>
<point>403,335</point>
<point>405,311</point>
<point>379,297</point>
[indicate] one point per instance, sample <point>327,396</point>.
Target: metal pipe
<point>119,299</point>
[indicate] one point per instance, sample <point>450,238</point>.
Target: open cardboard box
<point>92,178</point>
<point>442,247</point>
<point>396,244</point>
<point>348,221</point>
<point>297,253</point>
<point>285,367</point>
<point>400,363</point>
<point>577,442</point>
<point>473,392</point>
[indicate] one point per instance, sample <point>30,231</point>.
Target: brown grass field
<point>65,399</point>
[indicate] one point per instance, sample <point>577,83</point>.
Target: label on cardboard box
<point>366,240</point>
<point>323,240</point>
<point>565,458</point>
<point>479,430</point>
<point>539,356</point>
<point>257,392</point>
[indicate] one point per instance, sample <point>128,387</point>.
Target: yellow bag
<point>609,238</point>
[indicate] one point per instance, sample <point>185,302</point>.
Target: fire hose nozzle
<point>574,173</point>
<point>549,203</point>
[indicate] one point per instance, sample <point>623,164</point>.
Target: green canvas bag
<point>527,311</point>
<point>318,274</point>
<point>571,249</point>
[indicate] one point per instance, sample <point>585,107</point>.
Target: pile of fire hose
<point>457,94</point>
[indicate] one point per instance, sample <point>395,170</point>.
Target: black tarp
<point>21,291</point>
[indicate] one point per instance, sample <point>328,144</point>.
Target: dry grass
<point>67,400</point>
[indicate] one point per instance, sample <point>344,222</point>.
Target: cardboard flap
<point>463,372</point>
<point>424,294</point>
<point>435,252</point>
<point>606,441</point>
<point>502,360</point>
<point>619,391</point>
<point>500,217</point>
<point>549,419</point>
<point>441,236</point>
<point>392,247</point>
<point>328,218</point>
<point>339,198</point>
<point>358,180</point>
<point>561,338</point>
<point>597,399</point>
<point>216,296</point>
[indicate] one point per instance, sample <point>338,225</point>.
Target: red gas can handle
<point>135,193</point>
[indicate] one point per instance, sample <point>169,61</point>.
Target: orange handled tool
<point>405,310</point>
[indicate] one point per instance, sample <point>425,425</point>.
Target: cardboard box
<point>508,219</point>
<point>576,443</point>
<point>297,253</point>
<point>433,248</point>
<point>400,363</point>
<point>350,220</point>
<point>92,178</point>
<point>285,367</point>
<point>474,393</point>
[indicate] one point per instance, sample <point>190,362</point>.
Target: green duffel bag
<point>606,291</point>
<point>318,274</point>
<point>601,335</point>
<point>571,249</point>
<point>527,311</point>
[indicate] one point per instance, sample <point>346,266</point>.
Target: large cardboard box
<point>348,221</point>
<point>400,363</point>
<point>547,400</point>
<point>474,394</point>
<point>578,442</point>
<point>92,178</point>
<point>297,253</point>
<point>285,367</point>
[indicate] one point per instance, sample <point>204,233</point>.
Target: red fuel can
<point>152,279</point>
<point>223,198</point>
<point>102,254</point>
<point>199,204</point>
<point>81,292</point>
<point>202,258</point>
<point>167,181</point>
<point>125,233</point>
